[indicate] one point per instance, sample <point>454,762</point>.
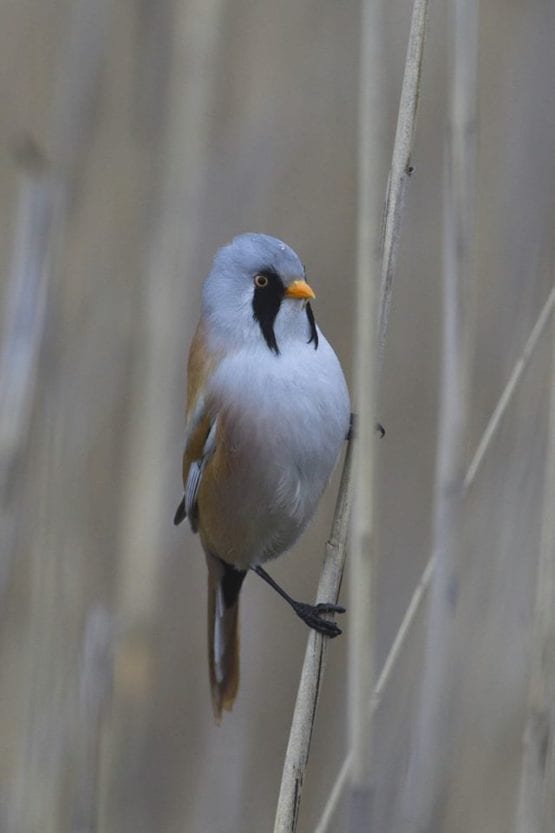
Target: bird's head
<point>257,293</point>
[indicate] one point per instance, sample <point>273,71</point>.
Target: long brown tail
<point>224,584</point>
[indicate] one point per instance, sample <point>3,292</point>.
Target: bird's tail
<point>224,584</point>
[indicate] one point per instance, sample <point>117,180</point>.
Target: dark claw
<point>311,616</point>
<point>380,430</point>
<point>326,607</point>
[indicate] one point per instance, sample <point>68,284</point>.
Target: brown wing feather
<point>223,639</point>
<point>201,365</point>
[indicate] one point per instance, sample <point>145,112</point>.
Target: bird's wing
<point>194,476</point>
<point>201,427</point>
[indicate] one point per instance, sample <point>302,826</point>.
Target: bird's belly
<point>257,496</point>
<point>254,508</point>
<point>277,444</point>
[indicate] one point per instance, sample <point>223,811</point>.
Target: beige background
<point>166,128</point>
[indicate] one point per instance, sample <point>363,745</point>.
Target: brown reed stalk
<point>368,361</point>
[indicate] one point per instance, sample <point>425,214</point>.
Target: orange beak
<point>299,290</point>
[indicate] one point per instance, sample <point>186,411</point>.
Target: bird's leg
<point>310,614</point>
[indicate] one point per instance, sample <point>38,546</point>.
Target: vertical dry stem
<point>372,165</point>
<point>55,623</point>
<point>370,265</point>
<point>430,743</point>
<point>196,30</point>
<point>421,590</point>
<point>300,735</point>
<point>23,328</point>
<point>401,166</point>
<point>536,803</point>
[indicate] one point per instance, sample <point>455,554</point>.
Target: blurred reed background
<point>137,137</point>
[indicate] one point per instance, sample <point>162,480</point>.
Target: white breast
<point>289,416</point>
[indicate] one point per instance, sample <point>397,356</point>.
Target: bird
<point>268,411</point>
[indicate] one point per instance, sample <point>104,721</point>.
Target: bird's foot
<point>312,616</point>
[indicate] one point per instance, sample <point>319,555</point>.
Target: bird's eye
<point>261,281</point>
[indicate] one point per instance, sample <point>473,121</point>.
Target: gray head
<point>256,294</point>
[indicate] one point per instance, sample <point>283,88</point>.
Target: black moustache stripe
<point>265,305</point>
<point>312,325</point>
